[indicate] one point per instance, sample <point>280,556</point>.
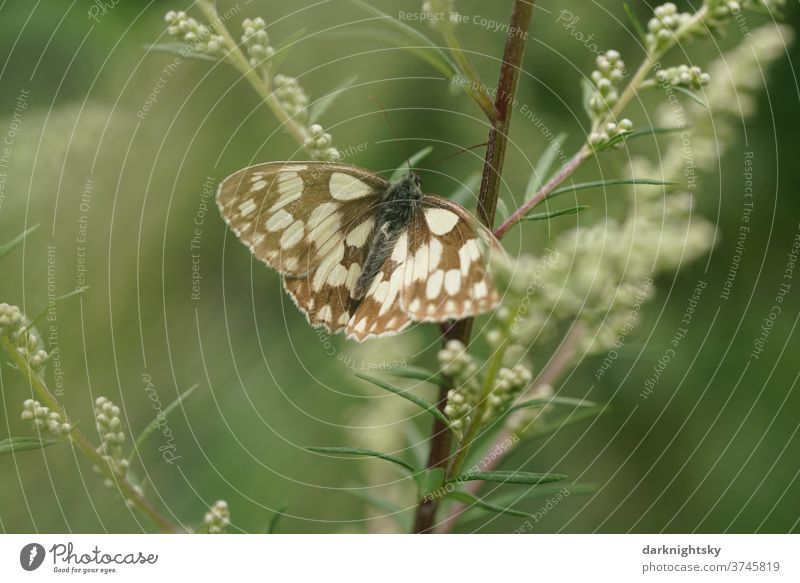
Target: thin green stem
<point>261,84</point>
<point>477,88</point>
<point>84,445</point>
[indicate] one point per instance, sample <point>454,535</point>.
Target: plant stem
<point>441,437</point>
<point>550,374</point>
<point>262,86</point>
<point>637,82</point>
<point>84,445</point>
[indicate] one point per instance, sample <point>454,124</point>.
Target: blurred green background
<point>714,449</point>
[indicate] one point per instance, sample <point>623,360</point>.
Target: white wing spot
<point>358,236</point>
<point>435,251</point>
<point>292,235</point>
<point>434,287</point>
<point>440,221</point>
<point>452,281</point>
<point>325,313</point>
<point>400,250</point>
<point>325,267</point>
<point>290,190</point>
<point>361,325</point>
<point>480,290</point>
<point>421,263</point>
<point>337,276</point>
<point>344,318</point>
<point>291,264</point>
<point>258,185</point>
<point>322,212</point>
<point>345,187</point>
<point>247,207</point>
<point>279,221</point>
<point>468,253</point>
<point>414,305</point>
<point>352,277</point>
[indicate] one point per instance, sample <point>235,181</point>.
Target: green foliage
<point>18,444</point>
<point>408,396</point>
<point>360,452</point>
<point>7,248</point>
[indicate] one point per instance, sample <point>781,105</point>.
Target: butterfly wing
<point>294,216</point>
<point>438,271</point>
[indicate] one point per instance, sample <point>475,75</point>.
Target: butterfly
<point>358,254</point>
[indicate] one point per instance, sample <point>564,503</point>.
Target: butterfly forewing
<point>292,215</point>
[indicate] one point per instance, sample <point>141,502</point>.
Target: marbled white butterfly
<point>360,254</point>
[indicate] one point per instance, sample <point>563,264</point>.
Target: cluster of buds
<point>599,139</point>
<point>217,518</point>
<point>460,366</point>
<point>14,325</point>
<point>510,383</point>
<point>606,78</point>
<point>320,144</point>
<point>683,76</point>
<point>256,42</point>
<point>199,37</point>
<point>109,425</point>
<point>43,419</point>
<point>292,96</point>
<point>665,23</point>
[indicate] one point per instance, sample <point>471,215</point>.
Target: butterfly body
<point>358,254</point>
<point>397,207</point>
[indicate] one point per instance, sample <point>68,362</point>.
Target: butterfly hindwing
<point>448,273</point>
<point>293,215</point>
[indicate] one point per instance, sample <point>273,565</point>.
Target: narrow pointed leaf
<point>511,477</point>
<point>611,182</point>
<point>651,131</point>
<point>691,95</point>
<point>502,209</point>
<point>637,25</point>
<point>7,248</point>
<point>58,300</point>
<point>180,49</point>
<point>412,34</point>
<point>566,420</point>
<point>468,498</point>
<point>544,165</point>
<point>552,214</point>
<point>408,396</point>
<point>566,401</point>
<point>272,526</point>
<point>412,162</point>
<point>323,104</point>
<point>418,374</point>
<point>160,418</point>
<point>355,451</point>
<point>17,444</point>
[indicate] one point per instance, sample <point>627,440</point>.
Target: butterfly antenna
<point>460,151</point>
<point>391,129</point>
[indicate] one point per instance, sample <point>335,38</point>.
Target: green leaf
<point>444,63</point>
<point>544,165</point>
<point>272,526</point>
<point>511,477</point>
<point>159,419</point>
<point>365,453</point>
<point>15,444</point>
<point>575,416</point>
<point>15,242</point>
<point>412,162</point>
<point>610,182</point>
<point>181,49</point>
<point>691,95</point>
<point>284,49</point>
<point>408,396</point>
<point>43,313</point>
<point>467,498</point>
<point>418,374</point>
<point>552,214</point>
<point>566,401</point>
<point>323,103</point>
<point>466,192</point>
<point>587,92</point>
<point>637,25</point>
<point>627,136</point>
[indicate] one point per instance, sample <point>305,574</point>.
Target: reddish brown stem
<point>441,438</point>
